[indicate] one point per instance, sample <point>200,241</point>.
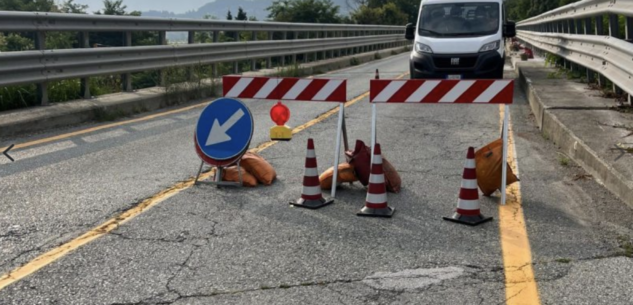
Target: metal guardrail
<point>33,21</point>
<point>576,33</point>
<point>43,66</point>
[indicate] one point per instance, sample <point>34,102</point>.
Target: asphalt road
<point>248,246</point>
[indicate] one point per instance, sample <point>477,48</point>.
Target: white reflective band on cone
<point>376,198</point>
<point>311,190</point>
<point>310,154</point>
<point>470,163</point>
<point>376,179</point>
<point>469,184</point>
<point>311,172</point>
<point>468,204</point>
<point>377,159</point>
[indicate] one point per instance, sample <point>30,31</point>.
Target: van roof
<point>457,1</point>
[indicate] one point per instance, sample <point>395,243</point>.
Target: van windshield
<point>459,19</point>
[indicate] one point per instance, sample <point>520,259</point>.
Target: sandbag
<point>231,174</point>
<point>488,163</point>
<point>345,174</point>
<point>392,178</point>
<point>258,167</point>
<point>360,160</point>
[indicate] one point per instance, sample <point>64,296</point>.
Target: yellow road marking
<point>106,227</point>
<point>97,128</point>
<point>521,287</point>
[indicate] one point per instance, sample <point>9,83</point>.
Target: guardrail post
<point>162,40</point>
<point>614,31</point>
<point>191,40</point>
<point>600,31</point>
<point>306,55</point>
<point>338,51</point>
<point>126,78</point>
<point>84,41</point>
<point>254,61</point>
<point>216,38</point>
<point>628,28</point>
<point>42,88</point>
<point>269,60</point>
<point>284,36</point>
<point>236,64</point>
<point>294,56</point>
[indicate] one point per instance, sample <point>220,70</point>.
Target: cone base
<point>468,220</point>
<point>384,212</point>
<point>311,204</point>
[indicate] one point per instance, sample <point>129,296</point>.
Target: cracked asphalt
<point>248,246</point>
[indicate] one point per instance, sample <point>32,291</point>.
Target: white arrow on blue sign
<point>225,129</point>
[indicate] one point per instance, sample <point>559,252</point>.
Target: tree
<point>241,15</point>
<point>391,12</point>
<point>113,7</point>
<point>28,5</point>
<point>309,11</point>
<point>229,16</point>
<point>71,7</point>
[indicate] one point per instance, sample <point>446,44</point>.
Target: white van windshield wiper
<point>432,32</point>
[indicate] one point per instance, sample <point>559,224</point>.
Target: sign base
<point>280,133</point>
<point>217,178</point>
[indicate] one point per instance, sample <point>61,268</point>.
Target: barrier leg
<point>504,163</point>
<point>199,172</point>
<point>373,130</point>
<point>339,129</point>
<point>345,139</point>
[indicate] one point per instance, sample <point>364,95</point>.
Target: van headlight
<point>422,48</point>
<point>490,46</point>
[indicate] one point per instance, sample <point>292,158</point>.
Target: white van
<point>459,39</point>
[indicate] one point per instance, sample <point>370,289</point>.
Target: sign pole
<point>337,153</point>
<point>504,163</point>
<point>345,141</point>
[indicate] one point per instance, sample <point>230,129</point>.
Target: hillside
<point>219,9</point>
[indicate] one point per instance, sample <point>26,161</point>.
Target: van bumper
<point>487,65</point>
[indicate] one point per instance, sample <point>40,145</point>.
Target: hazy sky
<point>176,6</point>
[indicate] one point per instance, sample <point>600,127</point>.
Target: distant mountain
<point>219,8</point>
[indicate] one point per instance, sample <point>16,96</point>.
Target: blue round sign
<point>225,129</point>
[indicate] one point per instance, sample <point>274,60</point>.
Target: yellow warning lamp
<point>280,115</point>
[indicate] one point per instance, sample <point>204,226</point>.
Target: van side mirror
<point>409,33</point>
<point>509,29</point>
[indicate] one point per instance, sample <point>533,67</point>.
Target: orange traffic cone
<point>311,196</point>
<point>376,201</point>
<point>467,211</point>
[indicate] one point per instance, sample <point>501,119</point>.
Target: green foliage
<point>71,7</point>
<point>354,61</point>
<point>241,15</point>
<point>229,16</point>
<point>28,5</point>
<point>17,42</point>
<point>388,12</point>
<point>552,60</point>
<point>308,11</point>
<point>522,9</point>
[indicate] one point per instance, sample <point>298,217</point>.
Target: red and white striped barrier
<point>429,91</point>
<point>442,91</point>
<point>293,89</point>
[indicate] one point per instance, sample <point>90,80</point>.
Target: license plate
<point>453,77</point>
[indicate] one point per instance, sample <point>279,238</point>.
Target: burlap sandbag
<point>360,160</point>
<point>231,174</point>
<point>258,167</point>
<point>488,160</point>
<point>345,174</point>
